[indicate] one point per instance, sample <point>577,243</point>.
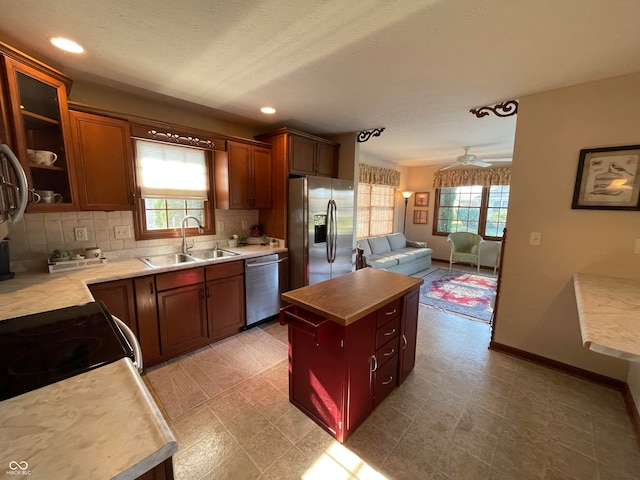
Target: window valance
<point>485,177</point>
<point>378,175</point>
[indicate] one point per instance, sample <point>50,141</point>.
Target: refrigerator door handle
<point>334,240</point>
<point>329,234</point>
<point>21,178</point>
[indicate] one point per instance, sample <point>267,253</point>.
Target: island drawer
<point>387,332</point>
<point>387,351</point>
<point>385,380</point>
<point>321,328</point>
<point>389,312</point>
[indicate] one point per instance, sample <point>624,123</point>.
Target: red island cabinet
<point>339,373</point>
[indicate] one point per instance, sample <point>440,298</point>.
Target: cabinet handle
<point>391,332</point>
<point>208,292</point>
<point>151,288</point>
<point>404,339</point>
<point>375,363</point>
<point>392,312</point>
<point>387,382</point>
<point>389,353</point>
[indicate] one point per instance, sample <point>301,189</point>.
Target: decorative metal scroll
<point>504,109</point>
<point>367,134</point>
<point>175,138</point>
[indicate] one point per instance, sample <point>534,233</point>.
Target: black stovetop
<point>44,348</point>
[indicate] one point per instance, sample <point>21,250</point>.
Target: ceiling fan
<point>467,159</point>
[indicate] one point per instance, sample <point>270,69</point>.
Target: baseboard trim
<point>560,366</point>
<point>622,387</point>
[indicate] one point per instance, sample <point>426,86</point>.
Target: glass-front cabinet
<point>40,130</point>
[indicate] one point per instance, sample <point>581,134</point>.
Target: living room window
<point>173,181</point>
<point>472,208</point>
<point>376,204</point>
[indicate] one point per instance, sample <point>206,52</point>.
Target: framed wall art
<point>608,179</point>
<point>421,199</point>
<point>420,216</point>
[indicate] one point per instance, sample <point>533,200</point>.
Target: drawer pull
<point>390,332</point>
<point>390,352</point>
<point>375,363</point>
<point>404,339</point>
<point>387,382</point>
<point>392,312</point>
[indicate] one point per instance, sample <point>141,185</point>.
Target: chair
<point>465,247</point>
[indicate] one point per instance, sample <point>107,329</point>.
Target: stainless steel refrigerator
<point>321,229</point>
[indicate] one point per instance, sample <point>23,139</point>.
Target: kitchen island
<point>352,340</point>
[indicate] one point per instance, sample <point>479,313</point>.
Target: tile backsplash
<point>33,239</point>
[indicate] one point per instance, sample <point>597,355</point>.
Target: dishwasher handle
<point>253,265</point>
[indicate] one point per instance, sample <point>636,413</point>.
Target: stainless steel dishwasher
<point>265,279</point>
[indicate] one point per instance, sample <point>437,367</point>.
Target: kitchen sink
<point>167,259</point>
<point>211,254</point>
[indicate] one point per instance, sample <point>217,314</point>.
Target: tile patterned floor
<point>464,413</point>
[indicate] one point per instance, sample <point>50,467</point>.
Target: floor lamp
<point>406,194</point>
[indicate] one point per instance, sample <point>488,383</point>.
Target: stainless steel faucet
<point>185,246</point>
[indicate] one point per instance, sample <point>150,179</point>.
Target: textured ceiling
<point>336,66</point>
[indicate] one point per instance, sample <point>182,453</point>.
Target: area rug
<point>463,293</point>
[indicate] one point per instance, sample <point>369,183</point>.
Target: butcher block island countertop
<point>351,297</point>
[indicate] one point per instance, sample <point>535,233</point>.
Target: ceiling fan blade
<point>449,166</point>
<point>480,163</point>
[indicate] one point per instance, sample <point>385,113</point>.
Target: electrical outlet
<point>122,231</point>
<point>636,248</point>
<point>535,239</point>
<point>81,234</point>
<point>220,226</point>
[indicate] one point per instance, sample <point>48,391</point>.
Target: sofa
<point>395,253</point>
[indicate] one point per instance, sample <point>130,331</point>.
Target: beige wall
<point>161,109</point>
<point>537,310</point>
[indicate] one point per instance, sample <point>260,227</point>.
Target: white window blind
<point>375,210</point>
<point>171,171</point>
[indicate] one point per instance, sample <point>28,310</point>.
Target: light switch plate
<point>636,248</point>
<point>81,234</point>
<point>535,239</point>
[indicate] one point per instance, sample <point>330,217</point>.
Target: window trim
<point>482,220</point>
<point>139,223</point>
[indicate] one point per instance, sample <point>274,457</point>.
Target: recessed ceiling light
<point>268,110</point>
<point>66,45</point>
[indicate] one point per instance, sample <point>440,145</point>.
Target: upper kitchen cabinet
<point>294,153</point>
<point>104,159</point>
<point>36,122</point>
<point>243,176</point>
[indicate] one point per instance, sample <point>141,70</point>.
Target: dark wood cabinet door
<point>225,307</point>
<point>262,178</point>
<point>104,160</point>
<point>408,334</point>
<point>302,155</point>
<point>164,471</point>
<point>118,296</point>
<point>239,158</point>
<point>38,112</point>
<point>182,315</point>
<point>147,315</point>
<point>327,160</point>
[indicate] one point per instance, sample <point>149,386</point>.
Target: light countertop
<point>350,297</point>
<point>29,293</point>
<point>609,312</point>
<point>102,423</point>
<point>99,424</point>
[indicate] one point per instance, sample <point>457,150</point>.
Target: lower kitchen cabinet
<point>182,311</point>
<point>147,316</point>
<point>339,374</point>
<point>225,299</point>
<point>119,297</point>
<point>164,471</point>
<point>173,313</point>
